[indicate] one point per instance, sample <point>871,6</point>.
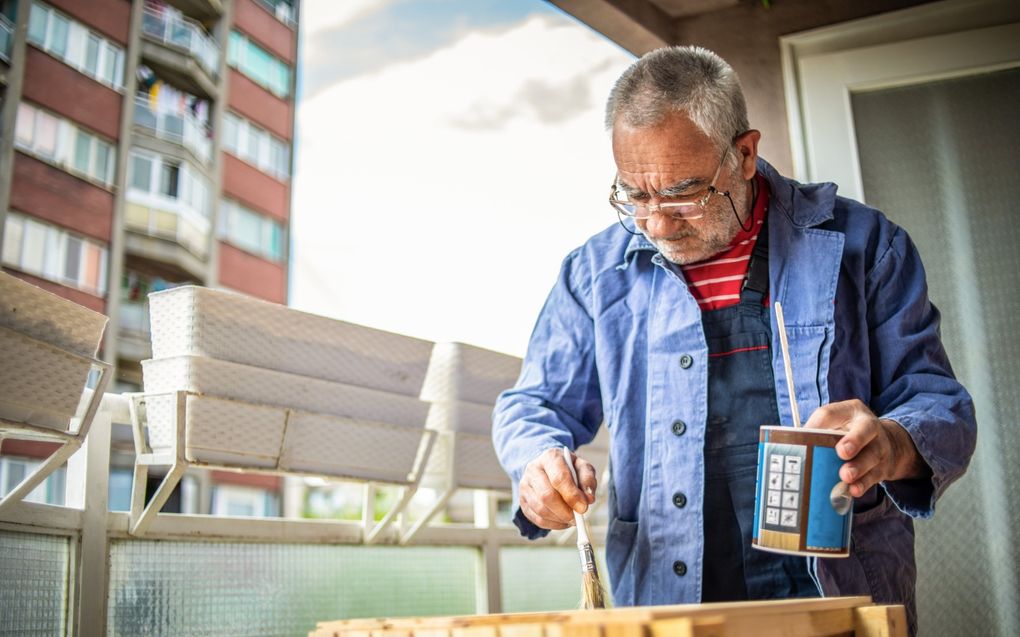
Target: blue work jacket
<point>620,341</point>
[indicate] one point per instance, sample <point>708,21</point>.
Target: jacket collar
<point>805,205</point>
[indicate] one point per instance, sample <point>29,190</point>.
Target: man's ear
<point>747,146</point>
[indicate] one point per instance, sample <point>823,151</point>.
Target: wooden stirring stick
<point>786,363</point>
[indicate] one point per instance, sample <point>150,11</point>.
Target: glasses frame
<point>675,209</point>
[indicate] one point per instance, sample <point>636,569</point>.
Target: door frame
<point>822,66</point>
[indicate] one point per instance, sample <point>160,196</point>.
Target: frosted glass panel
<point>33,584</point>
<point>940,159</point>
<point>557,585</point>
<point>261,590</point>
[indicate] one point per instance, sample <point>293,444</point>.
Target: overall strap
<point>756,284</point>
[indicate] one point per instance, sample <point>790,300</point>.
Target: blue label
<point>826,529</point>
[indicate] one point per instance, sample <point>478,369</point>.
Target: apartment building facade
<point>147,144</point>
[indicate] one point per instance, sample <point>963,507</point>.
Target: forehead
<point>674,149</point>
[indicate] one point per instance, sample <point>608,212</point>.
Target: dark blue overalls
<point>741,397</point>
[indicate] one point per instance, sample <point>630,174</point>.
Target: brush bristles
<point>592,595</point>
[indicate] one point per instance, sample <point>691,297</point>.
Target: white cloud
<point>411,218</point>
<point>322,15</point>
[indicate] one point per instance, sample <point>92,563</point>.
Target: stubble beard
<point>714,231</point>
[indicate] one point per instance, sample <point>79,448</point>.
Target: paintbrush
<point>592,595</point>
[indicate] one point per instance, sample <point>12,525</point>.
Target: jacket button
<point>679,568</point>
<point>679,428</point>
<point>686,361</point>
<point>679,500</point>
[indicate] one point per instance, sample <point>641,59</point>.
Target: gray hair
<point>685,79</point>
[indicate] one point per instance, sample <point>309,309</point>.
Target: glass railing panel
<point>185,130</point>
<point>182,33</point>
<point>6,38</point>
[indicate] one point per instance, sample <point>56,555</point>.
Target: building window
<point>174,182</point>
<point>251,231</point>
<point>61,142</point>
<point>54,254</point>
<point>74,44</point>
<point>14,469</point>
<point>258,147</point>
<point>261,66</point>
<point>244,501</point>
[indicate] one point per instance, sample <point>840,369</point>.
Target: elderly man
<point>660,327</point>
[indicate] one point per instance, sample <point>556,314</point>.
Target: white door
<point>917,113</point>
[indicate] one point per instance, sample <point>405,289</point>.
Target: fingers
<point>587,479</point>
<point>867,468</point>
<point>539,496</point>
<point>851,416</point>
<point>548,494</point>
<point>563,481</point>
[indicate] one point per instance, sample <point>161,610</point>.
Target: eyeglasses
<point>683,207</point>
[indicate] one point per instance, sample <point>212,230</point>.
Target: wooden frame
<point>780,618</point>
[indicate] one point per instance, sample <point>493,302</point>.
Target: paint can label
<point>796,505</point>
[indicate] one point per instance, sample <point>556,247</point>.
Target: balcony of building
<point>180,49</point>
<point>167,212</point>
<point>6,39</point>
<point>206,11</point>
<point>178,123</point>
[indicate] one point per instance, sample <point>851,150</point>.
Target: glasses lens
<point>686,210</point>
<point>630,209</point>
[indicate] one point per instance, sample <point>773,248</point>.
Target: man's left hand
<point>875,449</point>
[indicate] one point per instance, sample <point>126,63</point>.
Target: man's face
<point>677,156</point>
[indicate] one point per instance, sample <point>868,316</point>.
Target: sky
<point>450,154</point>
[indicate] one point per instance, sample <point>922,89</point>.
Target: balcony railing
<point>134,317</point>
<point>283,11</point>
<point>168,219</point>
<point>6,38</point>
<point>182,33</point>
<point>186,130</point>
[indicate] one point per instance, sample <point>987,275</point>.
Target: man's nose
<point>659,225</point>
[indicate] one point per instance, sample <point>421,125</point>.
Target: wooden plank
<point>823,623</point>
<point>624,629</point>
<point>617,622</point>
<point>580,630</point>
<point>431,632</point>
<point>522,630</point>
<point>880,621</point>
<point>473,631</point>
<point>712,626</point>
<point>725,609</point>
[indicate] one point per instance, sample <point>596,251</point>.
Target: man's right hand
<point>548,494</point>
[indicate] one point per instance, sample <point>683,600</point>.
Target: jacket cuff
<point>913,496</point>
<point>528,528</point>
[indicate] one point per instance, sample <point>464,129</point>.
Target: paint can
<point>800,504</point>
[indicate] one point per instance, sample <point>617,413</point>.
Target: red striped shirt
<point>716,282</point>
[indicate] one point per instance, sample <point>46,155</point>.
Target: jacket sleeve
<point>556,400</point>
<point>912,380</point>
